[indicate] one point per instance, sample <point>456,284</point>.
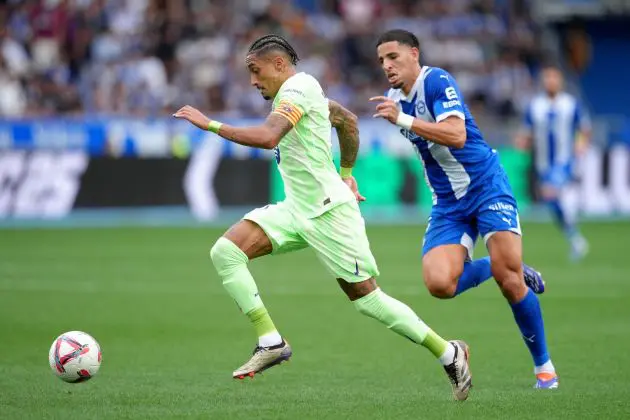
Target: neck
<point>284,76</point>
<point>408,85</point>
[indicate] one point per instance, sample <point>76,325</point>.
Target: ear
<point>416,53</point>
<point>279,63</point>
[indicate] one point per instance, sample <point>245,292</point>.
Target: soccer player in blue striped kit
<point>560,130</point>
<point>471,193</point>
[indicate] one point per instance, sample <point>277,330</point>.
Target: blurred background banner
<point>87,88</point>
<point>49,168</point>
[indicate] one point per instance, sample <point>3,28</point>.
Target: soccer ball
<point>75,356</point>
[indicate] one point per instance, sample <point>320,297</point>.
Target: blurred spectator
<point>12,95</point>
<point>510,84</point>
<point>148,57</point>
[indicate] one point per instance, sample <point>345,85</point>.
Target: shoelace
<point>451,371</point>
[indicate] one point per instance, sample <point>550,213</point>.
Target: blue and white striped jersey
<point>553,124</point>
<point>450,173</point>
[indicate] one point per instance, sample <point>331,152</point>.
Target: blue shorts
<point>489,209</point>
<point>556,176</point>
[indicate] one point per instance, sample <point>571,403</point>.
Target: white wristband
<point>404,120</point>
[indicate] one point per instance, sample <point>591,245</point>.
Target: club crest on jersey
<point>421,108</point>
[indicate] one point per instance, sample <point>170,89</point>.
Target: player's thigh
<point>341,244</point>
<point>506,251</point>
<point>448,243</point>
<point>250,238</point>
<point>506,256</point>
<point>500,227</point>
<point>271,231</point>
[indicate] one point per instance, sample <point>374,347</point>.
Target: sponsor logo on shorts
<point>501,207</point>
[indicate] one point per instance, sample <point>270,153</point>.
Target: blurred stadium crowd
<point>148,57</point>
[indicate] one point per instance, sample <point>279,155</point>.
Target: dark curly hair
<point>274,42</point>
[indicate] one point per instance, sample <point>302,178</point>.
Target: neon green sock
<point>262,321</point>
<point>231,265</point>
<point>434,343</point>
<point>401,319</point>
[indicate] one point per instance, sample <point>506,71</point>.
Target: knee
<point>509,276</point>
<point>225,255</point>
<point>216,254</point>
<point>356,291</point>
<point>441,281</point>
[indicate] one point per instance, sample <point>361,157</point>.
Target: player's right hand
<point>386,109</point>
<point>194,116</point>
<point>354,187</point>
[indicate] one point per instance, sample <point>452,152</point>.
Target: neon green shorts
<point>337,236</point>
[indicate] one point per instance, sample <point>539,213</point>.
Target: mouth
<point>392,78</point>
<point>263,94</point>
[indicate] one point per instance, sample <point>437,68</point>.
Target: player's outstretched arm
<point>449,132</point>
<point>264,136</point>
<point>347,126</point>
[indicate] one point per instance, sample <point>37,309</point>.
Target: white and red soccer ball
<point>75,356</point>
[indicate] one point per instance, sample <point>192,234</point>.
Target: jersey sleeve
<point>443,95</point>
<point>292,102</point>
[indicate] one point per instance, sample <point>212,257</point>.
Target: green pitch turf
<point>171,336</point>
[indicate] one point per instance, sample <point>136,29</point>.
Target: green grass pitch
<point>171,337</point>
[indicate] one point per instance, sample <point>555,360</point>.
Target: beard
<point>397,85</point>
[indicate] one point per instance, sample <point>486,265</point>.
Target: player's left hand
<point>194,116</point>
<point>352,183</point>
<point>387,109</point>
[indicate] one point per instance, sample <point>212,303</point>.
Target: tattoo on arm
<point>346,124</point>
<point>278,125</point>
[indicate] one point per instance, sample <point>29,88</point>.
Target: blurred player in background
<point>320,211</point>
<point>471,192</point>
<point>560,130</point>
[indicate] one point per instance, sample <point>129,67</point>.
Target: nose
<point>253,81</point>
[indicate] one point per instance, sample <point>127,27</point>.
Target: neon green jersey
<point>304,155</point>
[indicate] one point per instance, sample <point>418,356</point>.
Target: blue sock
<point>528,316</point>
<point>475,272</point>
<point>567,226</point>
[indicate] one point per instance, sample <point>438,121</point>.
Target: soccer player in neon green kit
<point>320,211</point>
